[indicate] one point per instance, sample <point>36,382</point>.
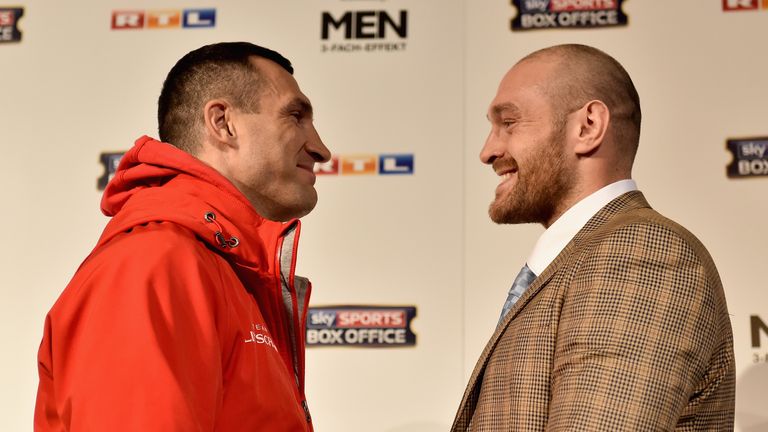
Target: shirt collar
<point>554,239</point>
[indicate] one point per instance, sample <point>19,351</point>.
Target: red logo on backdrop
<point>122,20</point>
<point>330,167</point>
<point>736,5</point>
<point>371,319</point>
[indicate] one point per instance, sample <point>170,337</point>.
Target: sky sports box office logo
<point>361,326</point>
<point>744,5</point>
<point>750,157</point>
<point>163,19</point>
<point>552,14</point>
<point>9,24</point>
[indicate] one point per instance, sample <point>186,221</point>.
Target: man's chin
<point>504,213</point>
<point>499,214</point>
<point>304,206</point>
<point>298,207</point>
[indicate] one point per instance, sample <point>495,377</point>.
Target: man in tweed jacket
<point>625,325</point>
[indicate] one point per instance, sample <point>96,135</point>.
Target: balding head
<point>582,74</point>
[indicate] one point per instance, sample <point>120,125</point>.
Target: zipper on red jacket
<point>306,410</point>
<point>288,282</point>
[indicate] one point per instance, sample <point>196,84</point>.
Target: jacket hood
<point>157,182</point>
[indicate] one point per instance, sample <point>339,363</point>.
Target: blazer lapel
<point>628,201</point>
<point>472,391</point>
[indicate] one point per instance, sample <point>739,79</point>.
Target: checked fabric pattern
<point>626,330</point>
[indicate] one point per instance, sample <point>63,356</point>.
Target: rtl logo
<point>757,326</point>
<point>738,5</point>
<point>367,164</point>
<point>163,19</point>
<point>365,24</point>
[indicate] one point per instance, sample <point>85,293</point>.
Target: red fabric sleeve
<point>135,342</point>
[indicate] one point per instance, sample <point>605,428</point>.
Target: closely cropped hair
<point>586,73</point>
<point>221,70</point>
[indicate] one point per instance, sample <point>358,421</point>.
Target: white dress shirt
<point>554,239</point>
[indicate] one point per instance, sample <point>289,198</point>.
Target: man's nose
<point>492,149</point>
<point>316,148</point>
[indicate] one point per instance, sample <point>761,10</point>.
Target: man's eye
<point>507,123</point>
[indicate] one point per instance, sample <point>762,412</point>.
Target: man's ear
<point>591,123</point>
<point>219,124</point>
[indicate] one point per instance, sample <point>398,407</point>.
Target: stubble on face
<point>543,182</point>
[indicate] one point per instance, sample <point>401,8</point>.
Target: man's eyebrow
<point>496,110</point>
<point>299,104</point>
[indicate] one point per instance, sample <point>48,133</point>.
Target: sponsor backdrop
<point>409,274</point>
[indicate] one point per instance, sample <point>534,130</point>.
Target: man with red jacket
<point>188,315</point>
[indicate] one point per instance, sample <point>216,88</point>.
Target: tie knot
<point>521,283</point>
<point>525,277</point>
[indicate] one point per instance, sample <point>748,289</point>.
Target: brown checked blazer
<point>626,330</point>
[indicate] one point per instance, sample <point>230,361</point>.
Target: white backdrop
<point>73,88</point>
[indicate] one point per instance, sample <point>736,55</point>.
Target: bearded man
<point>618,321</point>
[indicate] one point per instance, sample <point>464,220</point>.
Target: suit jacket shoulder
<point>627,329</point>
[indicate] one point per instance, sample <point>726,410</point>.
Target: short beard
<point>543,181</point>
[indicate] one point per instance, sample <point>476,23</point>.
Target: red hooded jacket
<point>187,315</point>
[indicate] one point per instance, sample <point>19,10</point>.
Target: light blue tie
<point>521,283</point>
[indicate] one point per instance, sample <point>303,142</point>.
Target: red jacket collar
<point>156,181</point>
